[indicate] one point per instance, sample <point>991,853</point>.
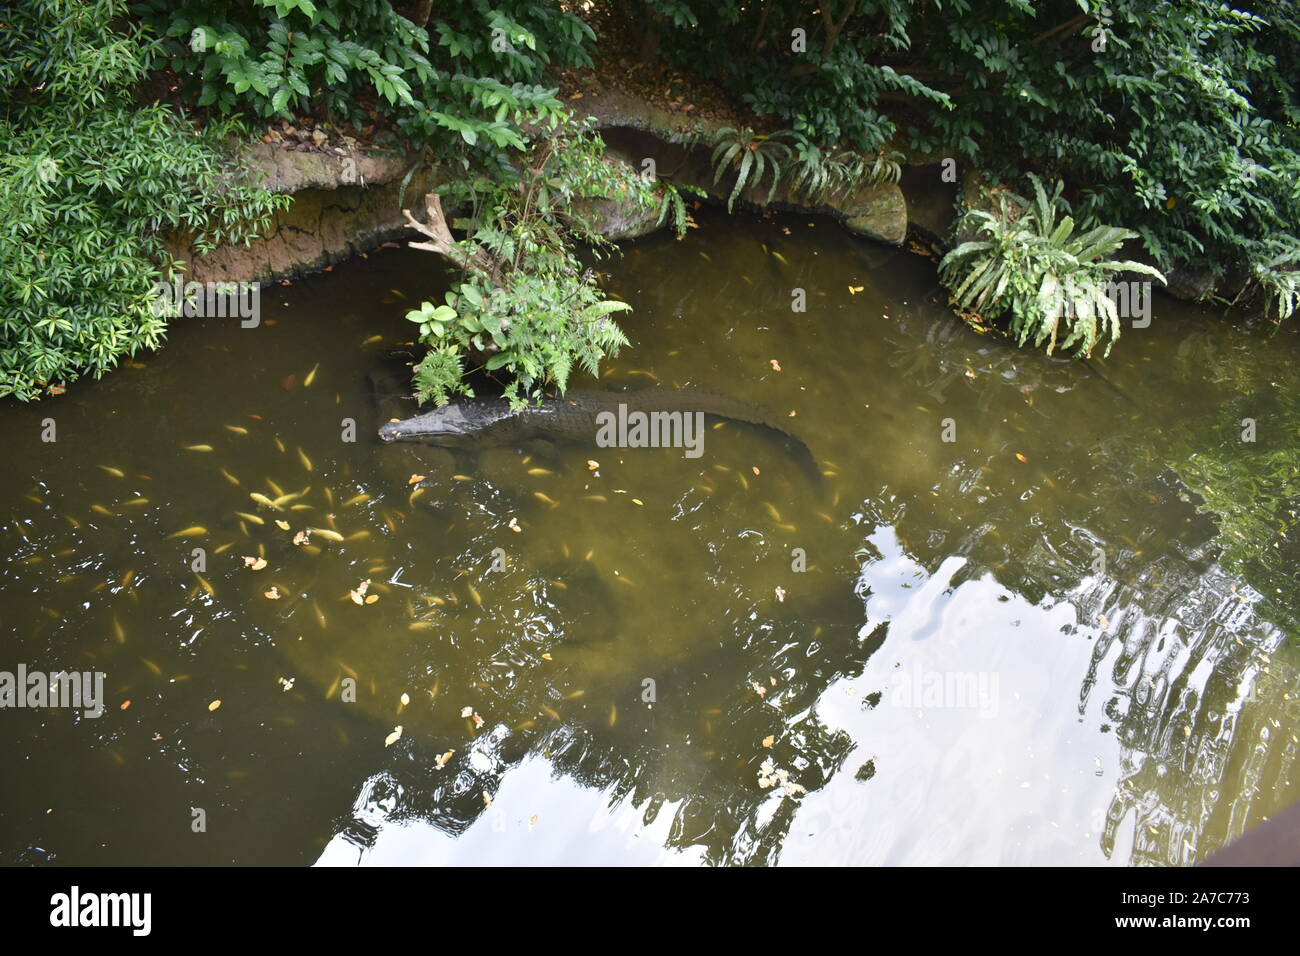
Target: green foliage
<point>1180,119</point>
<point>466,83</point>
<point>814,174</point>
<point>526,310</point>
<point>1279,284</point>
<point>1052,281</point>
<point>88,180</point>
<point>820,176</point>
<point>672,204</point>
<point>749,155</point>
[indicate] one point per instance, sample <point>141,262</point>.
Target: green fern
<point>1054,282</point>
<point>749,156</point>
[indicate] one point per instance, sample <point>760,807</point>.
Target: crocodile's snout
<point>390,431</point>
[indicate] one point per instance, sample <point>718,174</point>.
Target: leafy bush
<point>526,308</point>
<point>87,182</point>
<point>465,82</point>
<point>1053,281</point>
<point>1180,119</point>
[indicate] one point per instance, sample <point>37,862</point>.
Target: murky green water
<point>1026,645</point>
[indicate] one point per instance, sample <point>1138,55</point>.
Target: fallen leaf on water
<point>769,740</point>
<point>372,598</point>
<point>478,721</point>
<point>125,704</point>
<point>546,657</point>
<point>415,479</point>
<point>394,736</point>
<point>776,366</point>
<point>467,711</point>
<point>214,705</point>
<point>1021,457</point>
<point>855,289</point>
<point>592,464</point>
<point>487,800</point>
<point>405,699</point>
<point>754,469</point>
<point>273,594</point>
<point>257,564</point>
<point>441,760</point>
<point>302,537</point>
<point>780,594</point>
<point>759,689</point>
<point>282,524</point>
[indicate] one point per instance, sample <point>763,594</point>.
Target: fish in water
<point>578,416</point>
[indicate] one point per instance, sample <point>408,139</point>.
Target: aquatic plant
<point>1053,281</point>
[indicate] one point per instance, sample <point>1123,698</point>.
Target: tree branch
<point>436,229</point>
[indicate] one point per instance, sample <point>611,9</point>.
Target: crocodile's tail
<point>730,408</point>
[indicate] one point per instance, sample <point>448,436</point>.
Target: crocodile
<point>579,416</point>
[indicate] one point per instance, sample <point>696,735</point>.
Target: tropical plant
<point>819,175</point>
<point>89,179</point>
<point>525,309</point>
<point>466,81</point>
<point>1279,282</point>
<point>1180,119</point>
<point>1054,282</point>
<point>749,156</point>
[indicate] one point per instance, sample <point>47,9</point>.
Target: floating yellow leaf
<point>273,594</point>
<point>282,524</point>
<point>769,740</point>
<point>394,736</point>
<point>257,564</point>
<point>214,705</point>
<point>415,479</point>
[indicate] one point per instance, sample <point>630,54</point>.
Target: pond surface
<point>1035,643</point>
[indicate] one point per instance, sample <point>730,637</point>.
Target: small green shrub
<point>88,180</point>
<point>1051,280</point>
<point>526,310</point>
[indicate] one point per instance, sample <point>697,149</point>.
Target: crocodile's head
<point>443,426</point>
